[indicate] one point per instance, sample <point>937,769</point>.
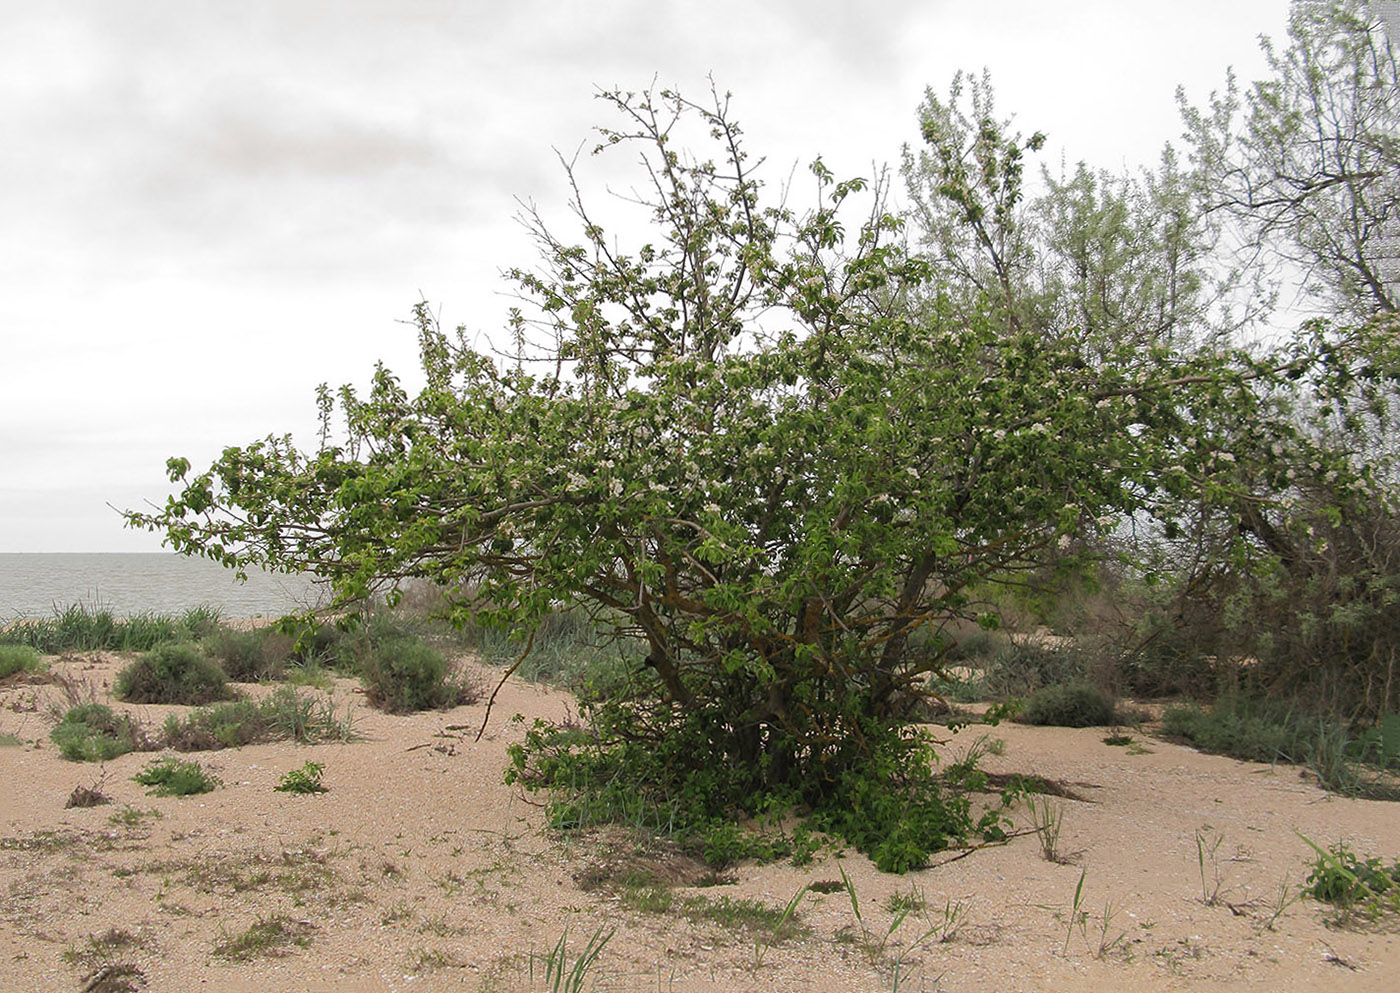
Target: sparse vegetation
<point>89,796</point>
<point>266,936</point>
<point>284,715</point>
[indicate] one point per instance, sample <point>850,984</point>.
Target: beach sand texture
<point>421,870</point>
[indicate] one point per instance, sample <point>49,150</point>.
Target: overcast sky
<point>208,208</point>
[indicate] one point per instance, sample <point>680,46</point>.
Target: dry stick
<point>486,717</point>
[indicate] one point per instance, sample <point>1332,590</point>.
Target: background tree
<point>783,452</point>
<point>1307,161</point>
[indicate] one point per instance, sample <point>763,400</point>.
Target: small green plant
<point>1076,916</point>
<point>1207,854</point>
<point>1286,895</point>
<point>173,777</point>
<point>904,903</point>
<point>19,659</point>
<point>565,977</point>
<point>1047,819</point>
<point>1355,884</point>
<point>176,672</point>
<point>761,945</point>
<point>307,779</point>
<point>129,816</point>
<point>265,936</point>
<point>1077,704</point>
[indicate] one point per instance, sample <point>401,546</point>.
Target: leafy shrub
<point>19,658</point>
<point>252,656</point>
<point>307,779</point>
<point>1078,704</point>
<point>1018,670</point>
<point>403,675</point>
<point>172,777</point>
<point>92,732</point>
<point>172,673</point>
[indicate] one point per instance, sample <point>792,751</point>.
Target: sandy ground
<point>421,870</point>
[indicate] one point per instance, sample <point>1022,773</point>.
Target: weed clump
<point>19,658</point>
<point>1078,704</point>
<point>285,715</point>
<point>265,936</point>
<point>307,779</point>
<point>172,777</point>
<point>92,732</point>
<point>1354,883</point>
<point>172,673</point>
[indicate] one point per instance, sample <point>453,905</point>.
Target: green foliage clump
<point>1020,669</point>
<point>893,808</point>
<point>403,675</point>
<point>173,777</point>
<point>251,656</point>
<point>92,732</point>
<point>175,672</point>
<point>284,715</point>
<point>1077,704</point>
<point>1252,730</point>
<point>1348,760</point>
<point>19,658</point>
<point>1354,884</point>
<point>80,628</point>
<point>307,779</point>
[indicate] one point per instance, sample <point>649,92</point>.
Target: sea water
<point>37,585</point>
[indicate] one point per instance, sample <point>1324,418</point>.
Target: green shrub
<point>173,777</point>
<point>1077,704</point>
<point>92,732</point>
<point>252,656</point>
<point>175,672</point>
<point>1243,729</point>
<point>1021,669</point>
<point>19,658</point>
<point>403,675</point>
